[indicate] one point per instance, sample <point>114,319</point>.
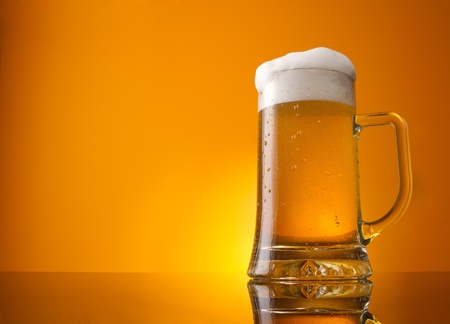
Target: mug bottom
<point>335,262</point>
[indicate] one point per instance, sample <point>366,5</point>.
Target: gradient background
<point>128,128</point>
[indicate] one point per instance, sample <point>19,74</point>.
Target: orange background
<point>128,128</point>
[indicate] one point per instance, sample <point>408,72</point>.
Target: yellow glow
<point>128,128</point>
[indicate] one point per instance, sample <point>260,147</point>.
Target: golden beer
<point>308,173</point>
<point>308,195</point>
<point>309,223</point>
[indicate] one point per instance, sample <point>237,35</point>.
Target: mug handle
<point>370,230</point>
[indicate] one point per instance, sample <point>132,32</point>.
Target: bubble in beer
<point>336,220</point>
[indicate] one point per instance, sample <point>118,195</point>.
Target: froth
<point>316,74</point>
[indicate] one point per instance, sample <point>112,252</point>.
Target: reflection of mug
<point>308,221</point>
<point>311,302</point>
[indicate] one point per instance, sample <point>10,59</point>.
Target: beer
<point>309,223</point>
<point>308,174</point>
<point>308,197</point>
<point>308,193</point>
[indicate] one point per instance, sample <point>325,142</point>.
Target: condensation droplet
<point>357,131</point>
<point>299,132</point>
<point>294,167</point>
<point>268,169</point>
<point>303,160</point>
<point>340,175</point>
<point>319,121</point>
<point>265,142</point>
<point>327,173</point>
<point>270,190</point>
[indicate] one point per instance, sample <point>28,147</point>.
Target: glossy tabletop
<point>194,298</point>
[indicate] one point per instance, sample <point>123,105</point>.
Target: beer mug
<point>309,224</point>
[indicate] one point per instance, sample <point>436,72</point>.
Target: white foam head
<point>317,74</point>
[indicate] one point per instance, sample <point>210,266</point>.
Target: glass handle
<point>370,230</point>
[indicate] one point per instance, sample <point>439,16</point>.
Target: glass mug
<point>309,224</point>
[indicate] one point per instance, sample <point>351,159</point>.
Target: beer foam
<point>316,74</point>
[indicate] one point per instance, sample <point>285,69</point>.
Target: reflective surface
<point>211,298</point>
<point>311,302</point>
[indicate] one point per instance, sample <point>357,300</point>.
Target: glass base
<point>310,263</point>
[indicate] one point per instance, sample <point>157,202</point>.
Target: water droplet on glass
<point>270,190</point>
<point>357,131</point>
<point>319,121</point>
<point>340,175</point>
<point>299,132</point>
<point>294,167</point>
<point>268,169</point>
<point>303,160</point>
<point>265,142</point>
<point>327,173</point>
